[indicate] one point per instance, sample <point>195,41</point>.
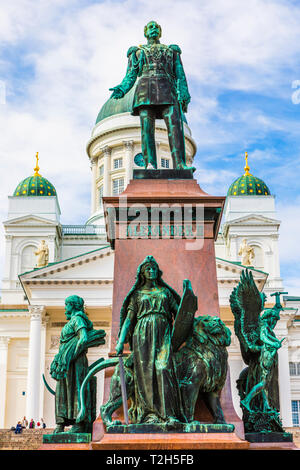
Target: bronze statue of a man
<point>161,93</point>
<point>70,367</point>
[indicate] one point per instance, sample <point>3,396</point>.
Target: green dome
<point>123,105</point>
<point>113,106</point>
<point>35,185</point>
<point>248,185</point>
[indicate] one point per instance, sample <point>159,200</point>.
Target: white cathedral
<point>46,261</point>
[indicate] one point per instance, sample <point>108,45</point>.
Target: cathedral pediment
<point>252,219</point>
<point>84,266</point>
<point>32,220</point>
<point>82,274</point>
<point>229,272</point>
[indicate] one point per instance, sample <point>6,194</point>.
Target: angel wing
<point>246,303</point>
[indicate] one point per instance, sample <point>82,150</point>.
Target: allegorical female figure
<point>146,323</point>
<point>70,366</point>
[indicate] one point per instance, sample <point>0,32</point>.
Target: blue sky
<point>58,59</point>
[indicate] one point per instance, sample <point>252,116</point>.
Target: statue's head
<point>149,269</point>
<point>73,303</point>
<point>152,30</point>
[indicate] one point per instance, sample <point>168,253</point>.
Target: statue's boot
<point>246,404</point>
<point>78,428</point>
<point>147,119</point>
<point>59,428</point>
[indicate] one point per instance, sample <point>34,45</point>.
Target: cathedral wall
<point>17,364</point>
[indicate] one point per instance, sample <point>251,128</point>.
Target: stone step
<point>29,439</point>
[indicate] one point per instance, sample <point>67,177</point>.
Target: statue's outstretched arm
<point>131,75</point>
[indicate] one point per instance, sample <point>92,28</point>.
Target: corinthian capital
<point>128,144</point>
<point>106,151</point>
<point>36,311</point>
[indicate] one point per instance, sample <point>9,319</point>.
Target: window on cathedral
<point>258,260</point>
<point>118,163</point>
<point>100,195</point>
<point>118,185</point>
<point>294,368</point>
<point>165,163</point>
<point>28,258</point>
<point>101,170</point>
<point>296,412</point>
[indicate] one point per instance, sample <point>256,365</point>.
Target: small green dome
<point>35,185</point>
<point>122,105</point>
<point>248,185</point>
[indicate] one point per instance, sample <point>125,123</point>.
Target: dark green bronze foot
<point>78,428</point>
<point>59,428</point>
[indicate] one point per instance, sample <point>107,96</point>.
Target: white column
<point>128,151</point>
<point>284,381</point>
<point>34,376</point>
<point>234,248</point>
<point>106,175</point>
<point>8,257</point>
<point>236,366</point>
<point>51,245</point>
<point>94,188</point>
<point>284,386</point>
<point>4,340</point>
<point>42,362</point>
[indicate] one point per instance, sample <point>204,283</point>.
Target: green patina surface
<point>248,185</point>
<point>70,367</point>
<point>258,383</point>
<point>35,186</point>
<point>174,358</point>
<point>67,438</point>
<point>238,263</point>
<point>161,92</point>
<point>123,105</point>
<point>13,309</point>
<point>195,427</point>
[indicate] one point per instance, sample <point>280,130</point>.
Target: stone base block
<point>170,428</point>
<point>170,441</point>
<point>73,447</point>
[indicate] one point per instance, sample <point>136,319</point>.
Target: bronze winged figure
<point>254,328</point>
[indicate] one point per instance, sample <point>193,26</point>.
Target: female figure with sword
<point>146,323</point>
